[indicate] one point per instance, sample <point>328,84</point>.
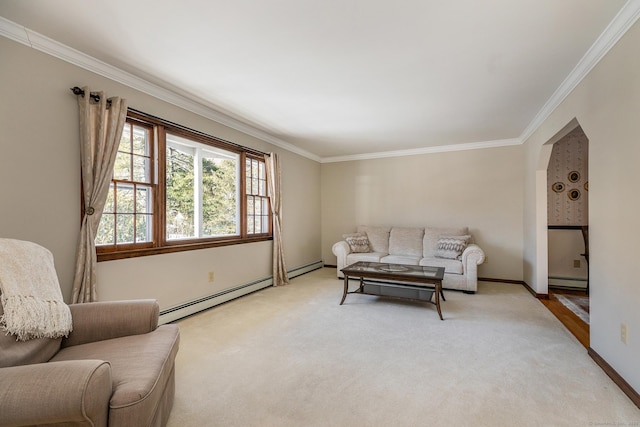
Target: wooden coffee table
<point>423,282</point>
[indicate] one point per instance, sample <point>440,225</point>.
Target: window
<point>177,189</point>
<point>127,218</point>
<point>258,210</point>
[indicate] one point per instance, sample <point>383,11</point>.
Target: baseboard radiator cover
<point>567,282</point>
<point>177,312</point>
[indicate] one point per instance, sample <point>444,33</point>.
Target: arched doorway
<point>562,227</point>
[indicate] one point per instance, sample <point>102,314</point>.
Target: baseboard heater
<point>183,310</point>
<point>567,282</point>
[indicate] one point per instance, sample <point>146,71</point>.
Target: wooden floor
<point>578,327</point>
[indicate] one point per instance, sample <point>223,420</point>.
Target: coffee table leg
<point>346,287</point>
<point>438,292</point>
<point>442,293</point>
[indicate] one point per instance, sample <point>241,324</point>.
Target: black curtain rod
<point>77,91</point>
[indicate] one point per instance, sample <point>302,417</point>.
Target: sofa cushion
<point>432,234</point>
<point>15,353</point>
<point>358,242</point>
<point>451,266</point>
<point>141,367</point>
<point>406,241</point>
<point>451,247</point>
<point>401,259</point>
<point>352,258</point>
<point>378,237</point>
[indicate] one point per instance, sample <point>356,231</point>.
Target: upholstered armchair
<point>115,368</point>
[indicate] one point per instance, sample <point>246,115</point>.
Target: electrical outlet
<point>624,333</point>
<point>211,276</point>
<point>576,263</point>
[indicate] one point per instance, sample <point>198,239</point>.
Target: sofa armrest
<point>472,255</point>
<point>341,250</point>
<point>66,392</point>
<point>97,321</point>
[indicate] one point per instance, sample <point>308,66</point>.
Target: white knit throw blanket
<point>30,292</point>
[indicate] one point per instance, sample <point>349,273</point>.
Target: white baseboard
<point>183,310</point>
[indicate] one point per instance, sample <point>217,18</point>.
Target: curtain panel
<point>101,125</point>
<point>272,163</point>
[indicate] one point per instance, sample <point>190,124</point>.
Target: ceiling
<point>336,79</point>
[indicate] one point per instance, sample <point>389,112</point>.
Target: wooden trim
<point>565,227</point>
<point>331,266</point>
<point>132,112</point>
<point>134,253</point>
<point>615,376</point>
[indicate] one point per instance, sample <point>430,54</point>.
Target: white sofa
<point>417,246</point>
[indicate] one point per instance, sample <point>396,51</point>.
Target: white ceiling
<point>340,78</point>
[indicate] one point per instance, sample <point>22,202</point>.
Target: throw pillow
<point>451,247</point>
<point>358,242</point>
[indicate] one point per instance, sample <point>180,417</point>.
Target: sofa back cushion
<point>378,237</point>
<point>15,353</point>
<point>432,234</point>
<point>406,241</point>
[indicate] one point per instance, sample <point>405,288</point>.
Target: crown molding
<point>620,24</point>
<point>183,100</point>
<point>624,19</point>
<point>425,150</point>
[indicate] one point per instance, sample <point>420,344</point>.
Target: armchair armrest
<point>97,321</point>
<point>63,392</point>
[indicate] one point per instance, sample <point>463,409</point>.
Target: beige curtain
<point>272,163</point>
<point>100,131</point>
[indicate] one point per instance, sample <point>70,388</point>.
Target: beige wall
<point>40,186</point>
<point>481,189</point>
<point>607,106</point>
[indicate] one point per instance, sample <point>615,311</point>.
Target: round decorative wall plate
<point>558,187</point>
<point>574,194</point>
<point>574,176</point>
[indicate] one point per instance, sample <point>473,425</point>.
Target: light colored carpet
<point>575,304</point>
<point>291,356</point>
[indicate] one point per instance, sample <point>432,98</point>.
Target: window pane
<point>263,188</point>
<point>251,210</point>
<point>258,206</point>
<point>143,200</point>
<point>140,138</point>
<point>108,206</point>
<point>125,140</point>
<point>122,167</point>
<point>141,172</point>
<point>105,230</point>
<point>250,225</point>
<point>265,224</point>
<point>144,228</point>
<point>124,198</point>
<point>219,204</point>
<point>179,194</point>
<point>262,173</point>
<point>124,228</point>
<point>254,168</point>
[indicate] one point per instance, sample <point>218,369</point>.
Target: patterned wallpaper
<point>568,180</point>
